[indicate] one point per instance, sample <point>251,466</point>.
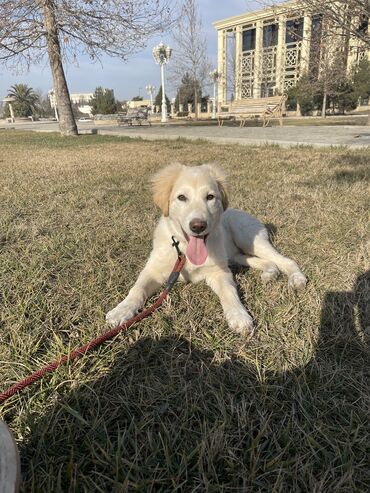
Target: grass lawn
<point>180,403</point>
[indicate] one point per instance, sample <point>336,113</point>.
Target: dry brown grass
<point>180,403</point>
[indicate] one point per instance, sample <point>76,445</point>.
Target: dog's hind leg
<point>269,269</point>
<point>251,237</point>
<point>263,249</point>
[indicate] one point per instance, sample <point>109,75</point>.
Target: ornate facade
<point>265,52</point>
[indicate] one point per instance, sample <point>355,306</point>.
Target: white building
<point>144,103</point>
<point>265,52</point>
<point>81,99</point>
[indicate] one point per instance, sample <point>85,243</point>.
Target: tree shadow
<point>356,168</point>
<point>351,159</point>
<point>352,176</point>
<point>169,416</point>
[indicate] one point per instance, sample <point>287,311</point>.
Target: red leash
<point>53,365</point>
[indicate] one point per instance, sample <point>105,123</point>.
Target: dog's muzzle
<point>197,226</point>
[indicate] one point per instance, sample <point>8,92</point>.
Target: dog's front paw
<point>297,281</point>
<point>240,321</point>
<point>120,314</point>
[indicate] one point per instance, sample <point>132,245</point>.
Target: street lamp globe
<point>162,54</point>
<point>215,76</point>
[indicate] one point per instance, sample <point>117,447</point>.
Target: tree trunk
<point>67,123</point>
<point>323,111</point>
<point>368,119</point>
<point>195,103</point>
<point>298,110</point>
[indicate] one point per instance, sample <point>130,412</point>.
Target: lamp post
<point>10,100</point>
<point>162,55</point>
<point>215,76</point>
<point>53,103</point>
<point>150,90</point>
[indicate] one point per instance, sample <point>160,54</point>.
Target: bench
<point>134,116</point>
<point>244,109</point>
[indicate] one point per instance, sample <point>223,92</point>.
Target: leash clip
<point>176,272</point>
<point>176,244</point>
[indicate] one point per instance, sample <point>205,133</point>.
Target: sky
<point>128,79</point>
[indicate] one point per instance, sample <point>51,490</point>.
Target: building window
<point>294,30</point>
<point>363,25</point>
<point>249,40</point>
<point>270,35</point>
<point>267,89</point>
<point>316,27</point>
<point>315,47</point>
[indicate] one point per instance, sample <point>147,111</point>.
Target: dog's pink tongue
<point>197,251</point>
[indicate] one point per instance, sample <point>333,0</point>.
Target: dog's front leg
<point>222,283</point>
<point>150,279</point>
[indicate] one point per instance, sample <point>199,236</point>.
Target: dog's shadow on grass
<point>170,417</point>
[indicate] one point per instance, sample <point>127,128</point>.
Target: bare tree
<point>349,18</point>
<point>342,20</point>
<point>190,53</point>
<point>65,29</point>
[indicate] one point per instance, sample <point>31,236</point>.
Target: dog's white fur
<point>233,237</point>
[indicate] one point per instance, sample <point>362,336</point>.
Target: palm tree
<point>25,99</point>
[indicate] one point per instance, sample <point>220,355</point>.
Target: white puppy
<point>194,202</point>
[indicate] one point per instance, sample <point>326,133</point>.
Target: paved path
<point>354,136</point>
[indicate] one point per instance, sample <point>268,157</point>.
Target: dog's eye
<point>210,196</point>
<point>182,198</point>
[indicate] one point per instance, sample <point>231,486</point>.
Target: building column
<point>280,58</point>
<point>238,62</point>
<point>306,43</point>
<point>258,60</point>
<point>11,111</point>
<point>221,66</point>
<point>209,107</point>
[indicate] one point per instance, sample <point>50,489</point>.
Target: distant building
<point>145,103</point>
<point>265,52</point>
<point>82,100</point>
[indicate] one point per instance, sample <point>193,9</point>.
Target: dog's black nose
<point>197,225</point>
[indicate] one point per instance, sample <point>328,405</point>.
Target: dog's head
<point>194,197</point>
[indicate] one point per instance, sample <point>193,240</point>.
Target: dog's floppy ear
<point>162,184</point>
<point>220,176</point>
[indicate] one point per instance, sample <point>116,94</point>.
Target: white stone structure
<point>144,103</point>
<point>265,52</point>
<point>82,99</point>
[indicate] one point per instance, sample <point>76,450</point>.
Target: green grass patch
<point>180,403</point>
